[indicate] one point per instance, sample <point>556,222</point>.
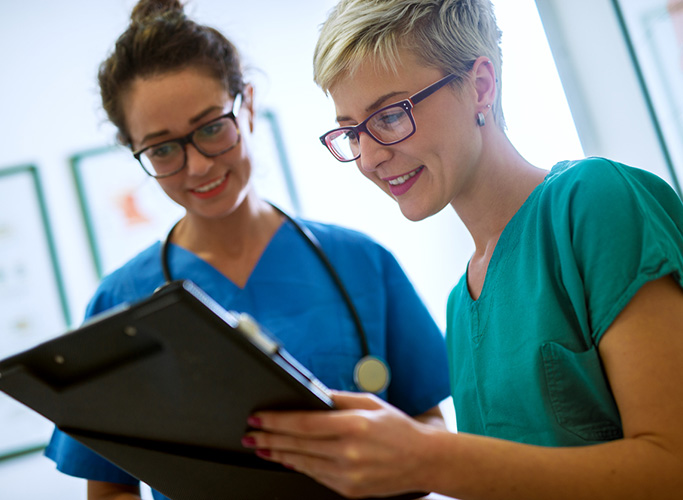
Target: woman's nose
<point>197,163</point>
<point>372,153</point>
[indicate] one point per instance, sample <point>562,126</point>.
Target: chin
<point>414,215</point>
<point>417,213</point>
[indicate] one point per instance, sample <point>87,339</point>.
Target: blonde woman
<point>566,331</point>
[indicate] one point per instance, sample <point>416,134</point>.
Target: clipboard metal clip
<point>250,328</point>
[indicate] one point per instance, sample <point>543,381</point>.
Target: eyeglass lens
<point>389,125</point>
<point>212,139</point>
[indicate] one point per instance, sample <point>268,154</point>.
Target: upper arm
<point>642,352</point>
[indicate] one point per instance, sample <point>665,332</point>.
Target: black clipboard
<point>163,388</point>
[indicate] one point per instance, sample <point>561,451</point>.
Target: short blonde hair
<point>445,34</point>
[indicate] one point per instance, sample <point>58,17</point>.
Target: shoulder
<point>600,189</point>
<point>338,238</point>
<point>354,250</point>
<point>336,233</point>
<point>608,178</point>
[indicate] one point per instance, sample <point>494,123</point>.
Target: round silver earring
<point>481,120</point>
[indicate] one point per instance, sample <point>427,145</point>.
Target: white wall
<point>49,110</point>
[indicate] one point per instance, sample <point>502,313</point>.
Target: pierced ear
<point>248,103</point>
<point>485,83</point>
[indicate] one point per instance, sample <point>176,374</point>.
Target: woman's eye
<point>163,150</point>
<point>390,118</point>
<point>350,135</point>
<point>212,129</point>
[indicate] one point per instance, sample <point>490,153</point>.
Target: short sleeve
<point>626,228</point>
<point>77,460</point>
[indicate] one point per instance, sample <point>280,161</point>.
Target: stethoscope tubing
<point>314,243</point>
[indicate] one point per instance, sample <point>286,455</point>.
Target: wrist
<point>433,459</point>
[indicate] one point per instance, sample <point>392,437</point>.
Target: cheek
<point>374,178</point>
<point>368,174</point>
<point>171,187</point>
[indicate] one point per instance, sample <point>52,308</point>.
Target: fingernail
<point>248,441</point>
<point>254,422</point>
<point>263,453</point>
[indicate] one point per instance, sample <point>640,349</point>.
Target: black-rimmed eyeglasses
<point>211,139</point>
<point>388,125</point>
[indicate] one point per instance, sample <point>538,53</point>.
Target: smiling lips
<point>210,189</point>
<point>401,184</point>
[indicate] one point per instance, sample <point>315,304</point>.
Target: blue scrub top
<point>292,295</point>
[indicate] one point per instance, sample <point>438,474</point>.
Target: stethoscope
<point>371,374</point>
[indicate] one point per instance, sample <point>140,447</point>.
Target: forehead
<point>370,86</point>
<point>170,100</point>
<point>171,90</point>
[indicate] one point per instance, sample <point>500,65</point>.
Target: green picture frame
<point>33,301</point>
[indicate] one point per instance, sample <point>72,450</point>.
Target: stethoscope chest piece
<point>371,374</point>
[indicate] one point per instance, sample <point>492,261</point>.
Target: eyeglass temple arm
<point>423,94</point>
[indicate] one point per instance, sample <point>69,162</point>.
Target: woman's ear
<point>484,83</point>
<point>248,103</point>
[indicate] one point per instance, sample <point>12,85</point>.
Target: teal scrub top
<point>291,294</point>
<point>524,360</point>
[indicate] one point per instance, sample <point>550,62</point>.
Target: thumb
<point>356,401</point>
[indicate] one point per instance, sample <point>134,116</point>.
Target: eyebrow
<point>193,120</point>
<point>375,105</point>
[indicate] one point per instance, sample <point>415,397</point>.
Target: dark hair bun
<point>152,8</point>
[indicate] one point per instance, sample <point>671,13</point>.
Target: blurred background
<point>587,77</point>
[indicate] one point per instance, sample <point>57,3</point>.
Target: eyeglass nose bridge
<point>189,139</point>
<point>184,143</point>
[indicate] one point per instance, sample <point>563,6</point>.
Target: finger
<point>356,400</point>
<point>325,424</point>
<point>316,467</point>
<point>313,424</point>
<point>345,478</point>
<point>318,425</point>
<point>264,441</point>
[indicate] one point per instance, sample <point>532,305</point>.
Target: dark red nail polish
<point>254,422</point>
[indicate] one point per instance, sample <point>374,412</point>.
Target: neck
<point>248,226</point>
<point>502,182</point>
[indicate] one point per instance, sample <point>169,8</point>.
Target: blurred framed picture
<point>125,210</point>
<point>654,32</point>
<point>33,305</point>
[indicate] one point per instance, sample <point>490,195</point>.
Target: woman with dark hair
<point>175,91</point>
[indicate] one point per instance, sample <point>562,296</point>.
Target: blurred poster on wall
<point>33,305</point>
<point>125,210</point>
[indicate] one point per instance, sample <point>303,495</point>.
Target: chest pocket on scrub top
<point>579,393</point>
